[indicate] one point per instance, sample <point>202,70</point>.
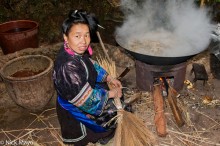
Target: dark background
<point>51,13</point>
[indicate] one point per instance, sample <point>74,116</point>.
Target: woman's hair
<point>80,16</point>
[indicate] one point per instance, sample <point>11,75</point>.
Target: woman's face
<point>78,38</point>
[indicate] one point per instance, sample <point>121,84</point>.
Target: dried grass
<point>32,136</point>
<point>110,67</point>
<point>114,3</point>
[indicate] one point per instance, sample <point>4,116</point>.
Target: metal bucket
<point>28,80</point>
<point>18,35</point>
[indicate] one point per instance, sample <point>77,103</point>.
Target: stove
<point>147,73</point>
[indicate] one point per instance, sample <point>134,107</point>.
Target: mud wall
<point>51,13</point>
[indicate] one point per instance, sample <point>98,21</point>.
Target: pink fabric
<point>90,50</point>
<point>69,51</point>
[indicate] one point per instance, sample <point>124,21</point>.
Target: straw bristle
<point>130,131</point>
<point>110,67</point>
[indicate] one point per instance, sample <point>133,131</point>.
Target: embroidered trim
<point>86,87</point>
<point>82,100</point>
<point>78,100</point>
<point>83,129</point>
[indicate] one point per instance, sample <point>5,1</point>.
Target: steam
<point>179,26</point>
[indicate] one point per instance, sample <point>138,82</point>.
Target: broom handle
<point>116,99</point>
<point>118,103</point>
<point>103,47</point>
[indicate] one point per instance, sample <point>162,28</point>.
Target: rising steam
<point>174,27</point>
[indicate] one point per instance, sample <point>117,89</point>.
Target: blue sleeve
<point>91,100</point>
<point>102,74</point>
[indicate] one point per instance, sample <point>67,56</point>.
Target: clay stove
<point>146,74</point>
<point>172,76</point>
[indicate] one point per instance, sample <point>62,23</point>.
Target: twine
<point>160,111</point>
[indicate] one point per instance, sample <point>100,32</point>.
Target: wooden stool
<point>199,72</point>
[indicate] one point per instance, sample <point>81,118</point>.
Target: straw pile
<point>130,130</point>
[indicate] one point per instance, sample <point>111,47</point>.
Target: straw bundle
<point>109,67</point>
<point>130,130</point>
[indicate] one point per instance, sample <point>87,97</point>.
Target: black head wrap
<point>80,16</point>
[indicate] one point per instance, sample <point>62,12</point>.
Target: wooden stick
<point>172,95</point>
<point>202,3</point>
<point>103,47</point>
<point>159,118</point>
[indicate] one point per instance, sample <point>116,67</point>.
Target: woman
<point>84,105</point>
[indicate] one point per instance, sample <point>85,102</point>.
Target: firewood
<point>159,118</point>
<point>172,95</point>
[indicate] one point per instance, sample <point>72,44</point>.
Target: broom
<point>130,131</point>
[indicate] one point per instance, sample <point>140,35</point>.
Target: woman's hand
<point>115,92</point>
<point>113,82</point>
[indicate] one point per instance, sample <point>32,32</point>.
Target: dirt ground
<point>199,104</point>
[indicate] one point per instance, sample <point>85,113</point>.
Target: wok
<point>154,60</point>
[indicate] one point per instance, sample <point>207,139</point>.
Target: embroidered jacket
<point>76,80</point>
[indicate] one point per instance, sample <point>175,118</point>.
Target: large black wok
<point>154,60</point>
